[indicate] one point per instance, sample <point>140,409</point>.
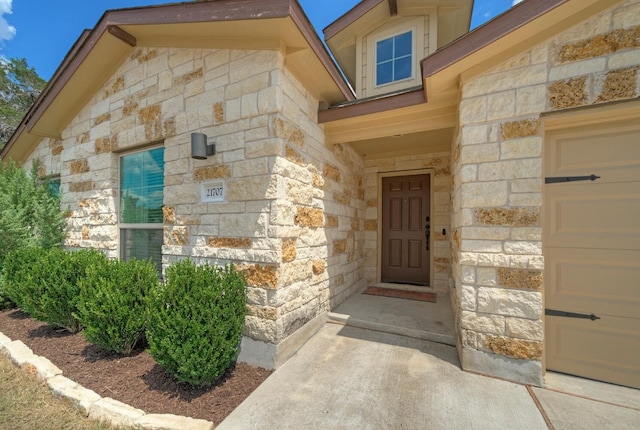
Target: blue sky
<point>43,31</point>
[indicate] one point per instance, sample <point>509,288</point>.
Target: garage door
<point>592,251</point>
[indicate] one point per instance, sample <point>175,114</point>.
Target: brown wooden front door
<point>405,224</point>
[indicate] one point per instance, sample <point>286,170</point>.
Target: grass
<point>27,404</point>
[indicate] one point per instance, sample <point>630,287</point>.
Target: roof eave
<point>119,44</point>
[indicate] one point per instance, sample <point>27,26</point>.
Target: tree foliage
<point>30,213</point>
<point>20,86</point>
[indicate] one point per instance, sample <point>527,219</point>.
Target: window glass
<point>53,187</point>
<point>394,58</point>
<point>141,201</point>
<point>141,187</point>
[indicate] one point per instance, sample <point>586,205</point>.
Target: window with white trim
<point>141,201</point>
<point>394,59</point>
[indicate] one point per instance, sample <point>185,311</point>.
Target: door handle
<point>427,231</point>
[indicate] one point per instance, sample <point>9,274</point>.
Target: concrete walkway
<point>355,378</point>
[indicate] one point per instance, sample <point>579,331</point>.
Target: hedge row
<point>192,321</point>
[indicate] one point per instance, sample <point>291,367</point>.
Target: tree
<point>30,213</point>
<point>20,86</point>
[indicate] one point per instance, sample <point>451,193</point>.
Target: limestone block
<point>270,100</point>
<point>249,105</point>
<point>509,79</point>
<point>468,274</point>
<point>261,329</point>
<point>4,340</point>
<point>479,153</point>
<point>501,105</point>
<point>511,169</point>
<point>115,412</point>
<point>579,68</point>
<point>624,59</point>
<point>18,352</point>
<point>486,233</point>
<point>468,259</point>
<point>248,225</point>
<point>283,212</point>
<point>473,134</point>
<point>528,147</point>
<point>618,84</point>
<point>486,276</point>
<point>469,173</point>
<point>526,186</point>
<point>516,348</point>
<point>473,110</point>
<point>172,422</point>
<point>79,396</point>
<point>42,367</point>
<point>525,329</point>
<point>483,194</point>
<point>468,298</point>
<point>508,216</point>
<point>256,296</point>
<point>531,100</point>
<point>492,324</point>
<point>525,199</point>
<point>523,304</point>
<point>568,93</point>
<point>527,234</point>
<point>252,188</point>
<point>523,247</point>
<point>250,167</point>
<point>521,279</point>
<point>232,109</point>
<point>292,170</point>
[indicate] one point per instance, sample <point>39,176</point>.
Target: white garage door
<point>592,251</point>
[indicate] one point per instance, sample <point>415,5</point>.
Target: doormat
<point>402,294</point>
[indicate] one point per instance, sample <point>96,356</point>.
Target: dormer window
<point>388,58</point>
<point>394,58</point>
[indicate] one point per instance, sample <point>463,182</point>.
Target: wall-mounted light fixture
<point>200,150</point>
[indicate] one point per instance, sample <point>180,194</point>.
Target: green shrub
<point>113,301</point>
<point>59,273</point>
<point>45,283</point>
<point>5,301</point>
<point>196,320</point>
<point>18,280</point>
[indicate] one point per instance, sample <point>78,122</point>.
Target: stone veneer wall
<point>439,164</point>
<point>497,191</point>
<point>292,219</point>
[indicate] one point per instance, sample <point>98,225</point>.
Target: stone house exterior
<point>462,132</point>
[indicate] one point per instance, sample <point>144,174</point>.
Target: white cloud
<point>515,2</point>
<point>7,31</point>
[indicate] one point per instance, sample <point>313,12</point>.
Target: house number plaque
<point>214,191</point>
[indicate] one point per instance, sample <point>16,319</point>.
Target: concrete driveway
<point>354,378</point>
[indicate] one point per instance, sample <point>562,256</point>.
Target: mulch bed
<point>135,380</point>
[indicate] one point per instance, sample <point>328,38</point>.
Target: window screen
<point>141,201</point>
<point>394,58</point>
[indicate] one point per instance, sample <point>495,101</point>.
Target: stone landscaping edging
<point>88,402</point>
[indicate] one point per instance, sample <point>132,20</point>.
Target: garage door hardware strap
<point>554,313</point>
<point>570,179</point>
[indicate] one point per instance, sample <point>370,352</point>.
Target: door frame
<point>397,173</point>
<point>605,113</point>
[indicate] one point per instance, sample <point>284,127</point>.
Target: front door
<point>405,229</point>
